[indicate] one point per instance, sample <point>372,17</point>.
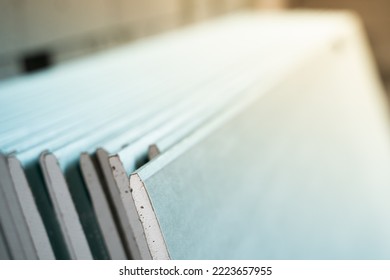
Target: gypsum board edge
<point>125,214</point>
<point>117,213</point>
<point>16,210</point>
<point>122,185</point>
<point>10,231</point>
<point>72,178</point>
<point>102,209</point>
<point>67,216</point>
<point>33,218</point>
<point>151,227</point>
<point>35,179</point>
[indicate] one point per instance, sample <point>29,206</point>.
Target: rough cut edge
<point>102,210</point>
<point>139,246</point>
<point>147,216</point>
<point>116,204</point>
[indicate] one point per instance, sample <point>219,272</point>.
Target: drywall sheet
<point>301,173</point>
<point>36,228</point>
<point>17,227</point>
<point>104,215</point>
<point>9,228</point>
<point>142,96</point>
<point>64,208</point>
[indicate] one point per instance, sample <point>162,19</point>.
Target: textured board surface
<point>119,208</point>
<point>302,173</point>
<point>265,129</point>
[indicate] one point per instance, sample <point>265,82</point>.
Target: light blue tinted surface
<point>125,75</point>
<point>303,173</point>
<point>79,95</point>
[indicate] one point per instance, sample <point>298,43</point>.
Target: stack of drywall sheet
<point>232,112</point>
<point>292,170</point>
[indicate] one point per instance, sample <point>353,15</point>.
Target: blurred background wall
<point>35,33</point>
<point>39,33</point>
<point>376,18</point>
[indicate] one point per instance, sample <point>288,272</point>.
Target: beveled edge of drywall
<point>64,207</point>
<point>100,205</point>
<point>33,218</point>
<point>147,216</point>
<point>139,246</point>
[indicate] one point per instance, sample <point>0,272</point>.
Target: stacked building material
<point>258,135</point>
